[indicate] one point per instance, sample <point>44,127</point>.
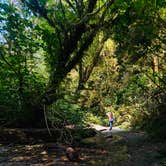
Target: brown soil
<point>107,148</point>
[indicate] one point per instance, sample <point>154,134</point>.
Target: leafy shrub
<point>64,113</point>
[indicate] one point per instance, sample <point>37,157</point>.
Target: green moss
<point>89,141</point>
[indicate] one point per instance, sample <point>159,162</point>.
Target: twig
<point>45,117</point>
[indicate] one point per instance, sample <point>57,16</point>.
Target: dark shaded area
<point>32,135</point>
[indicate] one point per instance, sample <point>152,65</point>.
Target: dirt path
<point>107,148</point>
<point>140,151</point>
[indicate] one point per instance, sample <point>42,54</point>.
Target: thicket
<point>72,61</point>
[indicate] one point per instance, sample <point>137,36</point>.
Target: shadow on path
<point>140,150</point>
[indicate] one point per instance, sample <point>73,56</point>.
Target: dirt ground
<point>108,148</point>
<point>140,150</point>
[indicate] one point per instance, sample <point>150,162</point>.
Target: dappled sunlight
<point>82,82</point>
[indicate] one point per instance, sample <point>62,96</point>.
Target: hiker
<point>111,119</point>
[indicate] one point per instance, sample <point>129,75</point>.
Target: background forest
<point>71,61</point>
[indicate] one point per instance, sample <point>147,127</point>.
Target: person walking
<point>111,119</point>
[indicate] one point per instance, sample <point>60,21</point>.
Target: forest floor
<point>139,149</point>
<point>107,148</point>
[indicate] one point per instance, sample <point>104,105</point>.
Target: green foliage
<point>21,82</point>
<point>155,124</point>
<point>92,118</point>
<point>64,113</point>
<point>82,57</point>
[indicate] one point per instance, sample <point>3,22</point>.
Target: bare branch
<point>71,5</point>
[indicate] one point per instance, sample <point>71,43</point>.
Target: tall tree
<point>69,28</point>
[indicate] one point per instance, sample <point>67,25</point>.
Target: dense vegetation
<point>70,61</point>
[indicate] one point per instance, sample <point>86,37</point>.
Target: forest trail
<point>107,148</point>
<point>140,151</point>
